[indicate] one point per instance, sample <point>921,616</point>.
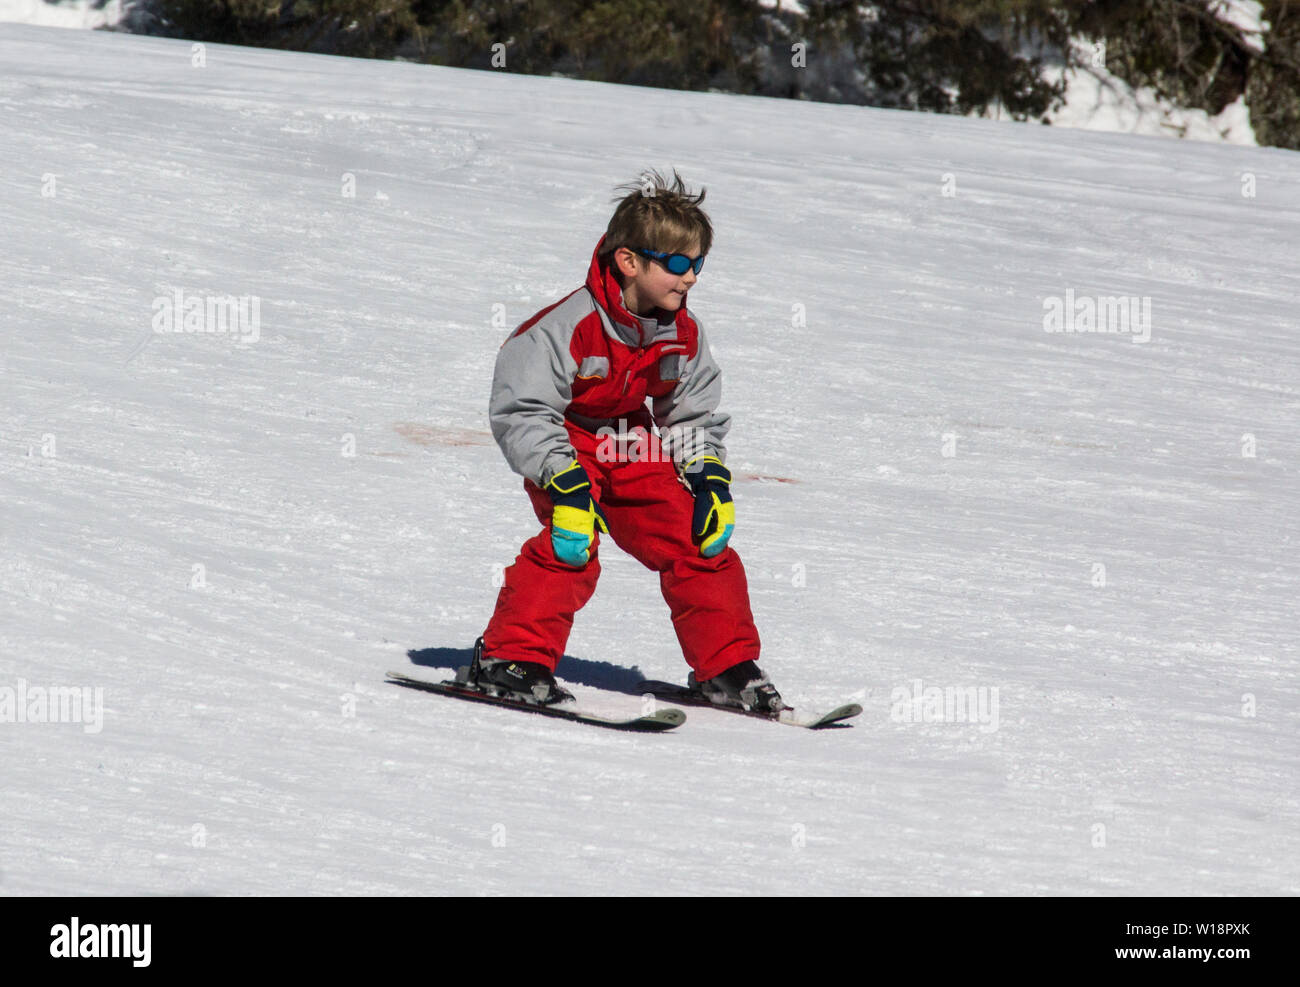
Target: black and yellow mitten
<point>715,514</point>
<point>575,517</point>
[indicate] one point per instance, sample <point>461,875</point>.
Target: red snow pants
<point>649,514</point>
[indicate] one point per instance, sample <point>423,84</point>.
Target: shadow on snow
<point>578,671</point>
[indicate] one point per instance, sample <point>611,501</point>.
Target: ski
<point>789,716</point>
<point>657,722</point>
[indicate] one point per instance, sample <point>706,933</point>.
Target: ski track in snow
<point>249,743</point>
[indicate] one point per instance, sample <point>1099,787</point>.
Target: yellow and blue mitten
<point>715,514</point>
<point>575,517</point>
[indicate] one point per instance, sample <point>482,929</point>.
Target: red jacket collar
<point>605,288</point>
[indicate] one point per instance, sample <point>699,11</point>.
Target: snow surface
<point>866,322</point>
<point>1094,98</point>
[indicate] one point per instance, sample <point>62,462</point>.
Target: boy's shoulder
<point>564,314</point>
<point>578,320</point>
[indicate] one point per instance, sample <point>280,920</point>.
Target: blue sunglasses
<point>676,263</point>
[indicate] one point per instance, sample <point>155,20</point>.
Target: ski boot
<point>742,685</point>
<point>528,681</point>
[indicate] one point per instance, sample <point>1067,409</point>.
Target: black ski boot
<point>742,685</point>
<point>531,682</point>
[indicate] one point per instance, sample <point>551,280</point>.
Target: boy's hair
<point>659,216</point>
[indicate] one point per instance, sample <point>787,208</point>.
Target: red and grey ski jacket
<point>588,360</point>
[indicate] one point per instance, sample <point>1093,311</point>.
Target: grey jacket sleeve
<point>688,416</point>
<point>531,387</point>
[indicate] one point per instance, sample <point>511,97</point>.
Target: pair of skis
<point>655,722</point>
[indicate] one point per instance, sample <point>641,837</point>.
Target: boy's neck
<point>630,301</point>
<point>633,305</point>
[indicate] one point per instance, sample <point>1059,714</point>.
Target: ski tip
<point>836,717</point>
<point>659,721</point>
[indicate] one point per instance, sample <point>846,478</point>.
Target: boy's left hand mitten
<point>575,517</point>
<point>715,514</point>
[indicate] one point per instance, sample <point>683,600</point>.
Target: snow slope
<point>1094,99</point>
<point>1096,534</point>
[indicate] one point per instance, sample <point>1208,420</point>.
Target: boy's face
<point>647,284</point>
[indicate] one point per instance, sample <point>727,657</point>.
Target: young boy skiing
<point>569,411</point>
